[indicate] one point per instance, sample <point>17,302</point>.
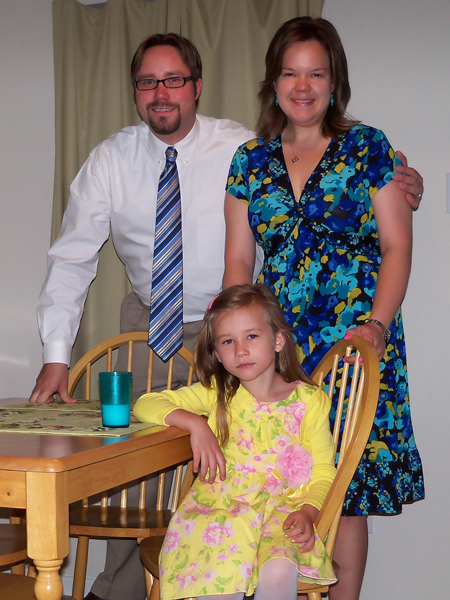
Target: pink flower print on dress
<point>246,570</point>
<point>219,488</point>
<point>216,532</point>
<point>309,571</point>
<point>244,440</point>
<point>294,464</point>
<point>281,552</point>
<point>281,441</point>
<point>199,509</point>
<point>192,573</point>
<point>171,541</point>
<point>245,469</point>
<point>222,556</point>
<point>294,417</point>
<point>188,526</point>
<point>273,485</point>
<point>261,407</point>
<point>239,509</point>
<point>209,575</point>
<point>251,491</point>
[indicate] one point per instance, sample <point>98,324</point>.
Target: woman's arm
<point>240,245</point>
<point>394,222</point>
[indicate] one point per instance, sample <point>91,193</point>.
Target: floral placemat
<point>82,418</point>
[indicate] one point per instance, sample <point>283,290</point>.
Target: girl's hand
<point>370,332</point>
<point>299,526</point>
<point>206,451</point>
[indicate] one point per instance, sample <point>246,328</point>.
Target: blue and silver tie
<point>165,335</point>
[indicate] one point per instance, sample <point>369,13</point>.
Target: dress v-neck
<point>316,172</point>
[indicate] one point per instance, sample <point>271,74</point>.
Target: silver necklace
<point>295,159</point>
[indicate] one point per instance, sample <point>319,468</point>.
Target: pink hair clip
<point>212,302</point>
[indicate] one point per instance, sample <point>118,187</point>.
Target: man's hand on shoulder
<point>52,379</point>
<point>410,181</point>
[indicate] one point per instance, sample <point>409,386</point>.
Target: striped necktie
<point>166,304</point>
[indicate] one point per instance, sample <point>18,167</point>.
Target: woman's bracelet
<point>385,330</point>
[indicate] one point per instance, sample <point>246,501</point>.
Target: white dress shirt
<point>115,191</point>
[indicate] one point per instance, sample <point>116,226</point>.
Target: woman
<point>316,191</point>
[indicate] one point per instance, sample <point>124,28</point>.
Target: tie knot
<point>171,154</point>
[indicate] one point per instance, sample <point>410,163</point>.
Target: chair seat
<point>15,587</point>
<point>13,543</point>
<point>18,587</point>
<point>150,549</point>
<point>113,521</point>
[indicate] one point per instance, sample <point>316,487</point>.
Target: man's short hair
<point>186,49</point>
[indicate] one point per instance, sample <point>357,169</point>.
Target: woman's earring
<point>276,100</point>
<point>332,99</point>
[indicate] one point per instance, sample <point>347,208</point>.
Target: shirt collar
<point>185,147</point>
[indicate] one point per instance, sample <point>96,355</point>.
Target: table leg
<point>47,530</point>
<point>48,584</point>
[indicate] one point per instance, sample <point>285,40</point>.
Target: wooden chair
<point>356,390</point>
<point>13,553</point>
<point>13,546</point>
<point>93,520</point>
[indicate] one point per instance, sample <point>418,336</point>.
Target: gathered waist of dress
<point>316,235</point>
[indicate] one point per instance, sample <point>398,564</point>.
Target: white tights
<point>277,581</point>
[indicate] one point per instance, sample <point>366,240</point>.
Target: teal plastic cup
<point>115,398</point>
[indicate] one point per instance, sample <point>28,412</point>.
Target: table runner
<point>82,418</point>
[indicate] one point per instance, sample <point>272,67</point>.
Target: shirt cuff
<point>57,352</point>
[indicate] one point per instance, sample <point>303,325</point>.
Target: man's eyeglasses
<point>144,85</point>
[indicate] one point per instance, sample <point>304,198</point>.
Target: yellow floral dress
<point>279,457</point>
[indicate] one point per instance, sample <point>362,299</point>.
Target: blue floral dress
<point>322,257</point>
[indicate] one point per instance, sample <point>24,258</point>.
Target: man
<point>116,190</point>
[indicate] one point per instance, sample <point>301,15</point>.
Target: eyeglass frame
<point>163,81</point>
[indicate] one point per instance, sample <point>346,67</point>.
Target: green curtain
<point>93,48</point>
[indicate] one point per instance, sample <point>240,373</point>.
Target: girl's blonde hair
<point>210,370</point>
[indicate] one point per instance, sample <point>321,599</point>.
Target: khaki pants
<point>123,577</point>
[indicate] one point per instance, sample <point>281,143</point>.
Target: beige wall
<point>398,53</point>
<point>26,183</point>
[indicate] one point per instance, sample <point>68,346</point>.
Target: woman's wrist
<point>386,332</point>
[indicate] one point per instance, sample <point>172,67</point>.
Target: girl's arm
<point>240,245</point>
<point>316,438</point>
<point>206,451</point>
<point>394,222</point>
<point>299,526</point>
<point>183,408</point>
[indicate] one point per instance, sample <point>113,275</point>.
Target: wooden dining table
<point>43,474</point>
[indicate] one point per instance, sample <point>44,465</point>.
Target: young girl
<point>264,458</point>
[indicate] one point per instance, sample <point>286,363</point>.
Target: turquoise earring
<point>332,99</point>
<point>276,100</point>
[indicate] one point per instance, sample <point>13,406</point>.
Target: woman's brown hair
<point>210,370</point>
<point>272,120</point>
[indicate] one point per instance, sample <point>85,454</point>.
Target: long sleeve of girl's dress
<point>154,407</point>
<point>317,439</point>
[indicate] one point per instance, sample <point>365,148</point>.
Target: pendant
<point>295,159</point>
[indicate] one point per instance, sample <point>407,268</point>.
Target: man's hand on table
<point>52,379</point>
